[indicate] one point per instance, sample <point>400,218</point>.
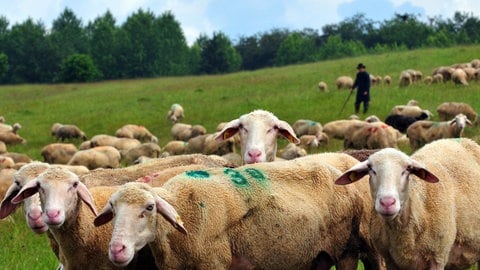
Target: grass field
<point>290,92</point>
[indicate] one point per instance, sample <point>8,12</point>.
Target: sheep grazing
<point>122,144</point>
<point>151,150</point>
<point>322,86</point>
<point>140,133</point>
<point>428,80</point>
<point>344,82</point>
<point>424,131</point>
<point>6,180</point>
<point>207,144</point>
<point>459,76</point>
<point>175,147</point>
<point>6,162</point>
<point>405,79</point>
<point>15,128</point>
<point>97,157</point>
<point>429,224</point>
<point>446,72</point>
<point>437,78</point>
<point>11,138</point>
<point>292,151</point>
<point>185,132</point>
<point>448,110</point>
<point>288,210</point>
<point>307,127</point>
<point>175,113</point>
<point>387,80</point>
<point>337,128</point>
<point>374,135</point>
<point>402,122</point>
<point>258,135</point>
<point>68,210</point>
<point>68,132</point>
<point>58,153</point>
<point>311,142</point>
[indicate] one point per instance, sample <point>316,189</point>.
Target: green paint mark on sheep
<point>202,204</point>
<point>236,177</point>
<point>312,123</point>
<point>256,174</point>
<point>198,174</point>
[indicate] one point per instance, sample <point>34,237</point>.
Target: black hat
<point>360,66</point>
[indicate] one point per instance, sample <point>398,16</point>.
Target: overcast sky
<point>236,18</point>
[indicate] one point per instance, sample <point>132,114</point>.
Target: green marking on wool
<point>312,123</point>
<point>236,177</point>
<point>198,174</point>
<point>256,174</point>
<point>202,204</point>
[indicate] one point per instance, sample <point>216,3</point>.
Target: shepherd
<point>362,82</point>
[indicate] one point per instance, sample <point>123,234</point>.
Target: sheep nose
<point>387,202</point>
<point>35,214</point>
<point>254,153</point>
<point>53,213</point>
<point>117,248</point>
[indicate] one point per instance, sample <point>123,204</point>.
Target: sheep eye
<point>75,185</point>
<point>370,170</point>
<point>150,207</point>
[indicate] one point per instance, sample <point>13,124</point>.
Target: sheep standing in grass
<point>449,110</point>
<point>344,82</point>
<point>405,79</point>
<point>322,86</point>
<point>288,210</point>
<point>175,113</point>
<point>258,135</point>
<point>68,132</point>
<point>402,122</point>
<point>459,76</point>
<point>69,209</point>
<point>426,210</point>
<point>437,78</point>
<point>424,131</point>
<point>337,128</point>
<point>140,133</point>
<point>387,79</point>
<point>122,144</point>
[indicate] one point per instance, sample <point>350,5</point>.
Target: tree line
<point>147,45</point>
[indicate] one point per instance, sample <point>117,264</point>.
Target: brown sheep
<point>58,153</point>
<point>175,147</point>
<point>9,138</point>
<point>69,132</point>
<point>151,150</point>
<point>97,157</point>
<point>140,133</point>
<point>448,110</point>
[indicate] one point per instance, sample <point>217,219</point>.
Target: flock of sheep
<point>121,201</point>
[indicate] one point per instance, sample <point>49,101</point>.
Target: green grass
<point>290,92</point>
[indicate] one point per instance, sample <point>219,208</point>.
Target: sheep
<point>292,151</point>
<point>18,157</point>
<point>68,209</point>
<point>140,133</point>
<point>184,132</point>
<point>448,110</point>
<point>288,210</point>
<point>387,80</point>
<point>344,82</point>
<point>408,110</point>
<point>11,138</point>
<point>405,79</point>
<point>151,150</point>
<point>175,113</point>
<point>120,176</point>
<point>76,169</point>
<point>175,147</point>
<point>437,78</point>
<point>3,147</point>
<point>336,129</point>
<point>59,153</point>
<point>424,131</point>
<point>258,135</point>
<point>307,127</point>
<point>322,86</point>
<point>470,72</point>
<point>428,80</point>
<point>475,63</point>
<point>459,77</point>
<point>15,128</point>
<point>69,132</point>
<point>446,72</point>
<point>208,144</point>
<point>122,144</point>
<point>378,80</point>
<point>428,224</point>
<point>54,129</point>
<point>370,136</point>
<point>6,179</point>
<point>402,122</point>
<point>310,142</point>
<point>97,157</point>
<point>360,154</point>
<point>6,162</point>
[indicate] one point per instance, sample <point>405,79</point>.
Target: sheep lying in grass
<point>420,225</point>
<point>140,133</point>
<point>292,151</point>
<point>337,128</point>
<point>151,150</point>
<point>258,135</point>
<point>68,210</point>
<point>422,132</point>
<point>10,138</point>
<point>307,127</point>
<point>207,144</point>
<point>288,210</point>
<point>97,157</point>
<point>175,113</point>
<point>184,132</point>
<point>5,127</point>
<point>175,147</point>
<point>449,110</point>
<point>122,144</point>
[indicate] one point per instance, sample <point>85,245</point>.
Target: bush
<point>78,68</point>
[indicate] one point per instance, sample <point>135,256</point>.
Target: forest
<point>147,45</point>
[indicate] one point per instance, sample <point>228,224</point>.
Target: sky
<point>237,18</point>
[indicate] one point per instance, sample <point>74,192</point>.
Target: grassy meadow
<point>291,93</point>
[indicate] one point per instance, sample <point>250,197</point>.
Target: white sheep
<point>307,127</point>
<point>69,209</point>
<point>459,76</point>
<point>429,224</point>
<point>97,157</point>
<point>59,153</point>
<point>344,82</point>
<point>258,135</point>
<point>405,79</point>
<point>288,210</point>
<point>387,79</point>
<point>5,127</point>
<point>175,113</point>
<point>184,132</point>
<point>322,86</point>
<point>3,147</point>
<point>122,144</point>
<point>410,110</point>
<point>208,145</point>
<point>336,129</point>
<point>175,147</point>
<point>138,132</point>
<point>424,131</point>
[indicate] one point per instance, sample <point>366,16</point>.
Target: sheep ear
<point>421,172</point>
<point>170,214</point>
<point>86,197</point>
<point>287,131</point>
<point>468,122</point>
<point>230,129</point>
<point>353,174</point>
<point>7,207</point>
<point>105,216</point>
<point>28,190</point>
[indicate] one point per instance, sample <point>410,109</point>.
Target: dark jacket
<point>362,81</point>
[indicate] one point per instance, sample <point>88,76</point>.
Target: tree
<point>296,48</point>
<point>102,39</point>
<point>404,29</point>
<point>219,56</point>
<point>78,68</point>
<point>68,35</point>
<point>3,65</point>
<point>30,54</point>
